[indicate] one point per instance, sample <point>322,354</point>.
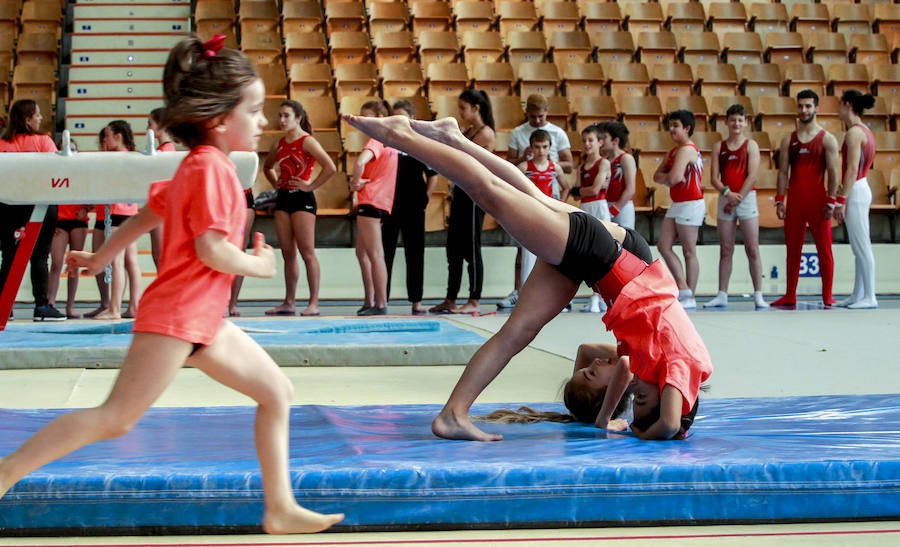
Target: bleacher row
<point>595,60</point>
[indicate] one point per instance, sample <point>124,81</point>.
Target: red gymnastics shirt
<point>688,189</point>
<point>733,165</point>
<point>866,156</point>
<point>807,161</point>
<point>543,179</point>
<point>616,179</point>
<point>588,176</point>
<point>25,142</point>
<point>381,172</point>
<point>293,161</point>
<point>188,298</point>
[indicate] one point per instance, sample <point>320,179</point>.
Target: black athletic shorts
<point>69,224</point>
<point>296,201</point>
<point>366,210</point>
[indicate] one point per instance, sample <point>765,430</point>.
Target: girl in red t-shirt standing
<point>289,168</point>
<point>374,178</point>
<point>214,105</point>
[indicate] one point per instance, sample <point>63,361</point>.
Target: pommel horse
<point>43,179</point>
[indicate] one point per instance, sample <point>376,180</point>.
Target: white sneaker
<point>596,305</point>
<point>864,304</point>
<point>720,301</point>
<point>760,302</point>
<point>689,303</point>
<point>845,303</point>
<point>509,301</point>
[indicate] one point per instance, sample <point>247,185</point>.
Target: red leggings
<point>797,217</point>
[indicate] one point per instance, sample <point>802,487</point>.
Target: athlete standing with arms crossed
<point>807,155</point>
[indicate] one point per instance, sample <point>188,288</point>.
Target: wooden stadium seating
<point>671,80</point>
<point>446,79</point>
<point>351,47</point>
<point>9,20</point>
<point>508,112</point>
<point>600,17</point>
<point>34,81</point>
<point>587,110</point>
<point>387,17</point>
<point>583,79</point>
<point>262,46</point>
<point>657,47</point>
<point>35,48</point>
<point>345,17</point>
<point>322,113</point>
<point>765,17</point>
<point>559,114</point>
<point>693,103</point>
<point>685,17</point>
<point>354,142</point>
<point>651,148</point>
<point>826,48</point>
<point>302,16</point>
<point>570,47</point>
<point>784,48</point>
<point>879,117</point>
<point>766,149</point>
<point>742,48</point>
<point>640,113</point>
<point>804,76</point>
<point>698,47</point>
<point>438,47</point>
<point>394,47</point>
<point>809,18</point>
<point>828,114</point>
<point>630,79</point>
<point>402,80</point>
<point>727,17</point>
<point>542,78</point>
<point>850,19</point>
<point>870,49</point>
<point>420,106</point>
<point>642,17</point>
<point>560,16</point>
<point>315,80</point>
<point>613,46</point>
<point>884,199</point>
<point>713,80</point>
<point>718,106</point>
<point>41,16</point>
<point>844,76</point>
<point>258,16</point>
<point>495,79</point>
<point>761,80</point>
<point>766,189</point>
<point>446,106</point>
<point>307,48</point>
<point>351,104</point>
<point>526,47</point>
<point>474,16</point>
<point>213,17</point>
<point>514,15</point>
<point>430,15</point>
<point>886,18</point>
<point>482,47</point>
<point>274,77</point>
<point>333,197</point>
<point>886,80</point>
<point>355,79</point>
<point>777,116</point>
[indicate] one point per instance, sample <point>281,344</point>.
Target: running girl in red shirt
<point>214,105</point>
<point>289,169</point>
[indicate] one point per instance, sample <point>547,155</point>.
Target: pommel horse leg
<point>20,261</point>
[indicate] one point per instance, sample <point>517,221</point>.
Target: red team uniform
<point>806,199</point>
<point>690,188</point>
<point>588,176</point>
<point>733,166</point>
<point>543,179</point>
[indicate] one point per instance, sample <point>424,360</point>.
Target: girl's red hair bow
<point>213,45</point>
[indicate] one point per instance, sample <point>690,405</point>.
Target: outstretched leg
<point>502,201</point>
<point>541,298</point>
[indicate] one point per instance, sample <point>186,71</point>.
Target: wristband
<point>613,210</point>
<point>725,191</point>
<point>840,200</point>
<point>779,199</point>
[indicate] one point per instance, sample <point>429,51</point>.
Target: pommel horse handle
<point>43,179</point>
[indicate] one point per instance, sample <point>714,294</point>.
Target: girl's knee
<point>112,423</point>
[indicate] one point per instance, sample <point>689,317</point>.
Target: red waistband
<point>626,268</point>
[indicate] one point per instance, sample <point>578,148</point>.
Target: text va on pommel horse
<point>67,177</point>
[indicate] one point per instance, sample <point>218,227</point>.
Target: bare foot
<point>447,306</point>
<point>445,130</point>
<point>95,313</point>
<point>448,426</point>
<point>310,311</point>
<point>284,309</point>
<point>234,312</point>
<point>298,520</point>
<point>70,314</point>
<point>128,314</point>
<point>469,307</point>
<point>392,131</point>
<point>107,316</point>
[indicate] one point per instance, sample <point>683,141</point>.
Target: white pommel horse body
<point>43,179</point>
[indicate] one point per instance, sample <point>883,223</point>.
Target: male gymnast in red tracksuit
<point>807,154</point>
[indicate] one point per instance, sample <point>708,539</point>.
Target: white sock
<point>685,293</point>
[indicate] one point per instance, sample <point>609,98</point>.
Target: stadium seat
<point>640,113</point>
<point>560,16</point>
<point>698,47</point>
<point>713,80</point>
<point>345,17</point>
<point>828,114</point>
<point>886,80</point>
<point>670,80</point>
<point>742,48</point>
<point>274,78</point>
<point>322,113</point>
<point>351,104</point>
<point>446,79</point>
<point>844,76</point>
<point>394,47</point>
<point>887,150</point>
<point>495,79</point>
<point>387,17</point>
<point>685,17</point>
<point>583,79</point>
<point>657,47</point>
<point>809,18</point>
<point>600,17</point>
<point>766,150</point>
<point>727,17</point>
<point>870,49</point>
<point>445,106</point>
<point>526,47</point>
<point>613,46</point>
<point>305,48</point>
<point>628,79</point>
<point>766,189</point>
<point>213,17</point>
<point>430,15</point>
<point>766,17</point>
<point>878,118</point>
<point>37,49</point>
<point>355,79</point>
<point>508,113</point>
<point>542,78</point>
<point>570,47</point>
<point>402,80</point>
<point>514,15</point>
<point>886,18</point>
<point>352,47</point>
<point>784,48</point>
<point>762,80</point>
<point>826,48</point>
<point>851,19</point>
<point>9,21</point>
<point>262,46</point>
<point>642,17</point>
<point>301,16</point>
<point>333,197</point>
<point>311,80</point>
<point>438,47</point>
<point>473,16</point>
<point>883,199</point>
<point>777,116</point>
<point>587,110</point>
<point>41,16</point>
<point>804,76</point>
<point>258,16</point>
<point>482,47</point>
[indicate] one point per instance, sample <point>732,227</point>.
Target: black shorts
<point>635,244</point>
<point>367,210</point>
<point>69,224</point>
<point>114,220</point>
<point>296,201</point>
<point>591,250</point>
<point>249,195</point>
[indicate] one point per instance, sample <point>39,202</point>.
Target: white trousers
<point>857,222</point>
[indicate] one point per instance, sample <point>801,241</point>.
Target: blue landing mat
<point>290,341</point>
<point>748,460</point>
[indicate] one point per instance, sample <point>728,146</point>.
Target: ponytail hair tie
<point>213,45</point>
